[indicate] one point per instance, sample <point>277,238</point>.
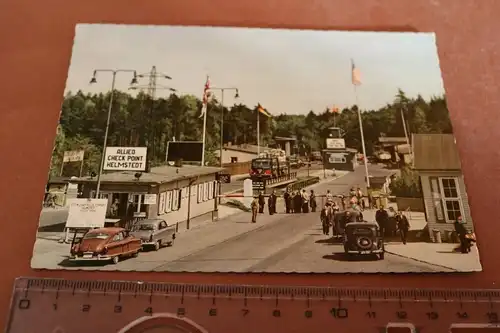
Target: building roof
<point>283,138</point>
<point>394,140</point>
<point>435,152</point>
<point>158,175</point>
<point>244,148</point>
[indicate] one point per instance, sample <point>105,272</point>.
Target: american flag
<point>356,76</point>
<point>206,94</point>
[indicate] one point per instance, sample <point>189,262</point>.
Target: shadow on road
<point>67,263</point>
<point>59,227</point>
<point>344,257</point>
<point>329,241</point>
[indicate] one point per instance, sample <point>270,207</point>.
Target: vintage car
<point>363,238</point>
<point>105,244</point>
<point>154,233</point>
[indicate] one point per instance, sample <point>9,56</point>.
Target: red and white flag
<point>334,110</point>
<point>356,76</point>
<point>206,94</point>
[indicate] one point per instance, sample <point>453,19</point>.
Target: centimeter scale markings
<point>63,306</point>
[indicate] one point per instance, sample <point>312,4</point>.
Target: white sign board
<point>125,158</point>
<point>73,155</point>
<point>86,213</point>
<point>247,192</point>
<point>150,199</point>
<point>337,158</point>
<point>335,143</point>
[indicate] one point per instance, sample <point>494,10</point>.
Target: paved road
<point>278,243</point>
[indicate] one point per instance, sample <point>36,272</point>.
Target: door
<point>162,230</point>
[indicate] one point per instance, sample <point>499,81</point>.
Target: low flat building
<point>238,153</point>
<point>176,194</point>
<point>437,161</point>
<point>340,159</point>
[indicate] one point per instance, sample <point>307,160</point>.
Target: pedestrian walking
<point>305,202</point>
<point>262,203</point>
<point>462,235</point>
<point>360,197</point>
<point>271,203</point>
<point>382,219</point>
<point>312,201</point>
<point>255,209</point>
<point>403,226</point>
<point>288,201</point>
<point>325,217</point>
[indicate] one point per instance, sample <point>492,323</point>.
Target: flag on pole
<point>206,94</point>
<point>335,110</point>
<point>356,76</point>
<point>263,111</point>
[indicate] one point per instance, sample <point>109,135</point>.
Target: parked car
<point>363,238</point>
<point>104,244</point>
<point>154,233</point>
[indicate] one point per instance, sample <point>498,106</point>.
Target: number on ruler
<point>432,315</point>
<point>462,315</point>
<point>402,314</point>
<point>308,314</point>
<point>54,306</point>
<point>340,313</point>
<point>212,312</point>
<point>371,314</point>
<point>149,310</point>
<point>86,308</point>
<point>24,304</point>
<point>245,312</point>
<point>117,309</point>
<point>492,317</point>
<point>181,312</point>
<point>276,313</point>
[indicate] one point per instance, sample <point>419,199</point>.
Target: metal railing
<point>280,179</point>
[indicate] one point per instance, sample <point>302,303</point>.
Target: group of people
<point>295,202</point>
<point>392,222</point>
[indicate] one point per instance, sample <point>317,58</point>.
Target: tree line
<point>140,121</point>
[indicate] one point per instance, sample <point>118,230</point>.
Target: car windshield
<point>141,227</point>
<point>261,164</point>
<point>96,235</point>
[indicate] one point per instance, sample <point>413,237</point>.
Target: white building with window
<point>175,194</point>
<point>437,161</point>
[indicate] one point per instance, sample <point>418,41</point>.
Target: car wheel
<point>170,243</point>
<point>116,259</point>
<point>157,245</point>
<point>135,254</point>
<point>381,256</point>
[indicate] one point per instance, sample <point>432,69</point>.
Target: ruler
<point>72,306</point>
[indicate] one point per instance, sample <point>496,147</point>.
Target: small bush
<point>407,185</point>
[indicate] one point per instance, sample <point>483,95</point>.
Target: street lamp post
<point>94,80</point>
<point>236,95</point>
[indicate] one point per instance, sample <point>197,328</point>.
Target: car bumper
<point>148,243</point>
<point>365,251</point>
<point>93,258</point>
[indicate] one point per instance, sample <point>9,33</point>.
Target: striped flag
<point>334,109</point>
<point>263,111</point>
<point>206,94</point>
<point>356,76</point>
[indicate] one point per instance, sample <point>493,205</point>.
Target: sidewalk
<point>442,254</point>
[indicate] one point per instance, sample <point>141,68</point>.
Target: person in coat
<point>312,201</point>
<point>288,202</point>
<point>255,209</point>
<point>382,218</point>
<point>271,202</point>
<point>403,226</point>
<point>325,216</point>
<point>462,233</point>
<point>297,200</point>
<point>262,203</point>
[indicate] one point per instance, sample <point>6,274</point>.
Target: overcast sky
<point>287,71</point>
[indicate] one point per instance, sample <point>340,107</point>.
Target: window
<point>176,200</point>
<point>211,190</point>
<point>450,195</point>
<point>205,191</point>
<point>163,200</point>
<point>118,237</point>
<point>184,192</point>
<point>200,193</point>
<point>168,204</point>
<point>234,159</point>
<point>162,225</point>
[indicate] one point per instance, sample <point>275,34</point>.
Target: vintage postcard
<point>205,149</point>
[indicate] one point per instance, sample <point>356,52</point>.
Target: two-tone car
<point>105,244</point>
<point>154,233</point>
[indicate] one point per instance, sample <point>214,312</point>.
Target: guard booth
<point>336,155</point>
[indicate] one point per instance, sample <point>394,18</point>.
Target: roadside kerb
<point>420,260</point>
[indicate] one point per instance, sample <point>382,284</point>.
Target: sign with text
<point>150,199</point>
<point>335,143</point>
<point>86,213</point>
<point>125,158</point>
<point>337,158</point>
<point>73,156</point>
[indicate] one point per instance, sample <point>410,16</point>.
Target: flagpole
<point>258,132</point>
<point>204,135</point>
<point>362,137</point>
